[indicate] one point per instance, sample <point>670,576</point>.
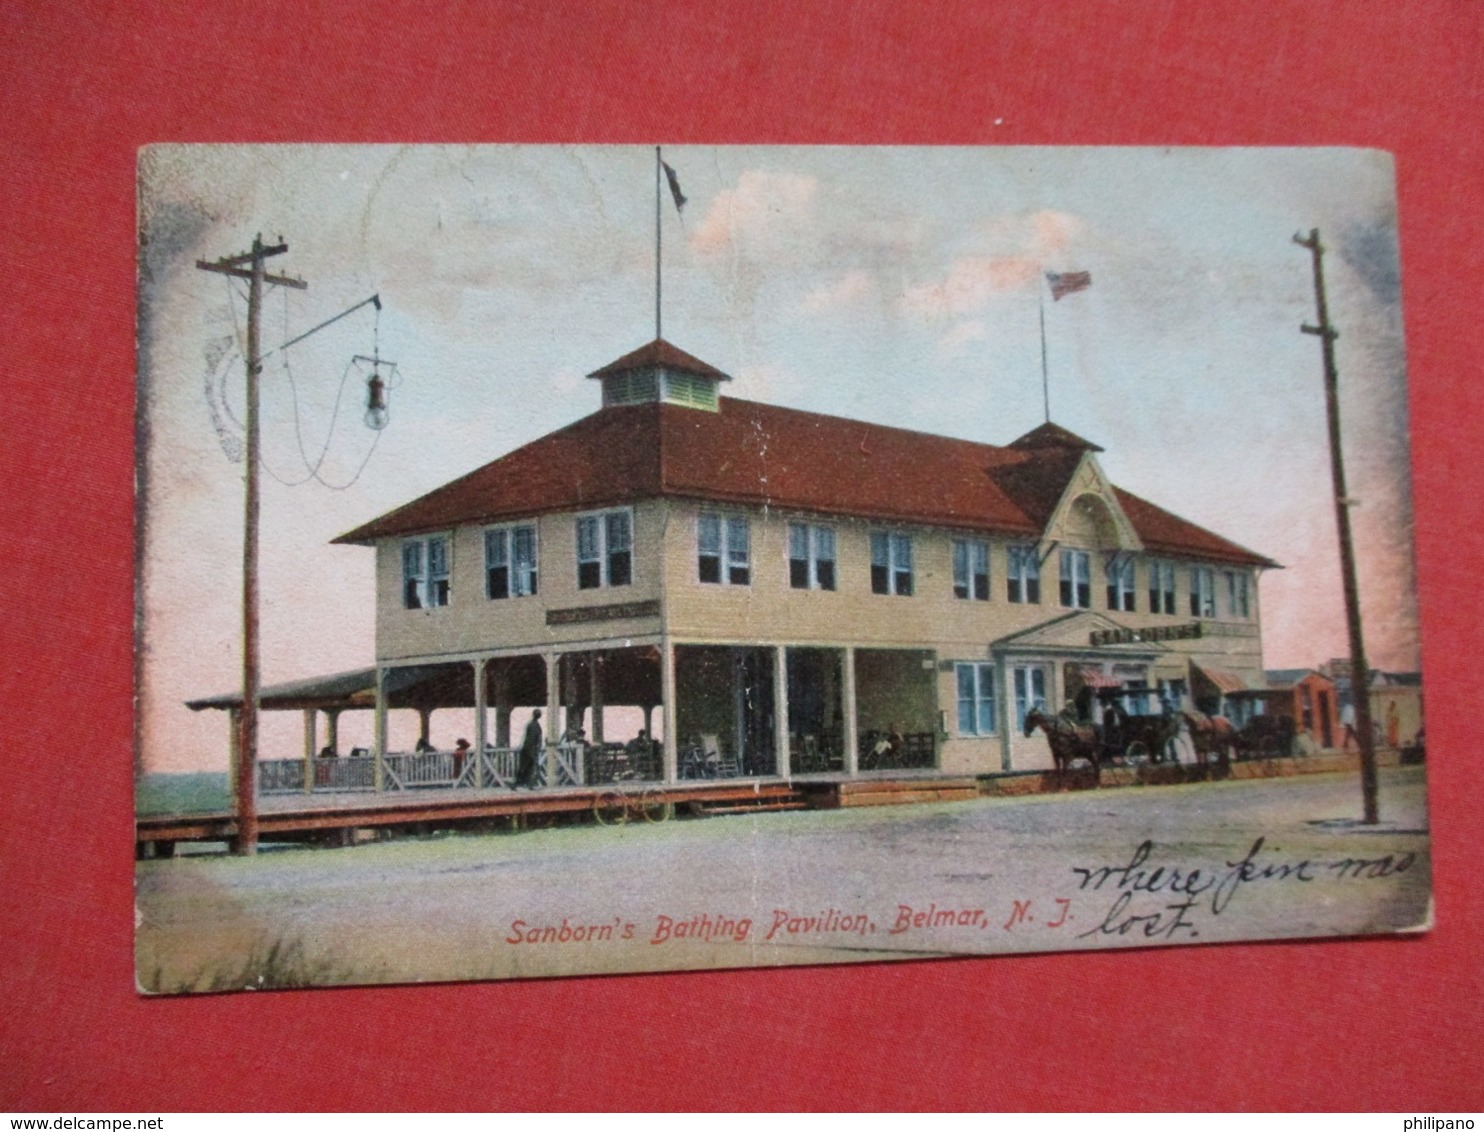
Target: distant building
<point>800,593</point>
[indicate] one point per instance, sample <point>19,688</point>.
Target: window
<point>975,699</point>
<point>1076,579</point>
<point>510,562</point>
<point>1237,604</point>
<point>605,550</point>
<point>1030,692</point>
<point>970,570</point>
<point>891,563</point>
<point>425,572</point>
<point>1025,575</point>
<point>1202,592</point>
<point>1161,587</point>
<point>722,550</point>
<point>811,557</point>
<point>1121,584</point>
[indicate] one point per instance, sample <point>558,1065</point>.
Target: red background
<point>1357,1025</point>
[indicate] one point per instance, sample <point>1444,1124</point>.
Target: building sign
<point>1188,632</point>
<point>620,612</point>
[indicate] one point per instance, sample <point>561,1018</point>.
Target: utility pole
<point>1360,673</point>
<point>250,266</point>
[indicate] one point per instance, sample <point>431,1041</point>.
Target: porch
<point>727,713</point>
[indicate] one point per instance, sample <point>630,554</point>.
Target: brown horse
<point>1211,734</point>
<point>1069,740</point>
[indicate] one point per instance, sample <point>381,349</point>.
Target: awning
<point>1228,683</point>
<point>1097,678</point>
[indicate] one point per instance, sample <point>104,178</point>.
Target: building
<point>797,593</point>
<point>1303,696</point>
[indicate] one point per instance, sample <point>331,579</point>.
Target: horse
<point>1069,740</point>
<point>1211,734</point>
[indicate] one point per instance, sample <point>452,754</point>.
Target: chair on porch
<point>719,763</point>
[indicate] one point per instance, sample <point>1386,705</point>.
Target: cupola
<point>660,372</point>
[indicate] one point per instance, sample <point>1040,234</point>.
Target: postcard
<point>563,560</point>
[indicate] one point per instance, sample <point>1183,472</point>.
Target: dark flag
<point>1065,282</point>
<point>674,187</point>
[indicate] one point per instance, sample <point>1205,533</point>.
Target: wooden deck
<point>302,817</point>
<point>335,818</point>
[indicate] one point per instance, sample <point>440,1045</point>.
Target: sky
<point>897,285</point>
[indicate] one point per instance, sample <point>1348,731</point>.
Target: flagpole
<point>657,164</point>
<point>1045,381</point>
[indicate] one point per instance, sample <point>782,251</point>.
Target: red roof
<point>661,353</point>
<point>762,455</point>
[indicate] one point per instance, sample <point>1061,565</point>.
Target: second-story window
<point>722,550</point>
<point>510,562</point>
<point>891,563</point>
<point>425,572</point>
<point>1121,584</point>
<point>811,557</point>
<point>1237,603</point>
<point>1024,575</point>
<point>605,550</point>
<point>1076,579</point>
<point>971,569</point>
<point>1202,591</point>
<point>1161,587</point>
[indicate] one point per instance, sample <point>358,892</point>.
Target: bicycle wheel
<point>611,808</point>
<point>1136,752</point>
<point>652,806</point>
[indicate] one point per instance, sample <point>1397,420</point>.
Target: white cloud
<point>849,289</point>
<point>1010,252</point>
<point>961,334</point>
<point>758,214</point>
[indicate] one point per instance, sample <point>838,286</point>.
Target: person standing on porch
<point>530,750</point>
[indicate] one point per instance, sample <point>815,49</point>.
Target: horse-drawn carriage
<point>1124,731</point>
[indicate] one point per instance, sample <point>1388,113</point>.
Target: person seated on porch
<point>638,746</point>
<point>423,747</point>
<point>574,737</point>
<point>460,753</point>
<point>328,752</point>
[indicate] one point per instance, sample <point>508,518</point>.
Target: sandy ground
<point>1202,863</point>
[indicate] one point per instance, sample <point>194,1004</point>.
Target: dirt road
<point>1112,868</point>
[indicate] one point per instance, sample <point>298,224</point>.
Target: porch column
<point>424,725</point>
<point>502,705</point>
<point>667,711</point>
<point>234,742</point>
<point>648,720</point>
<point>847,711</point>
<point>595,686</point>
<point>781,756</point>
<point>553,703</point>
<point>309,721</point>
<point>332,729</point>
<point>378,729</point>
<point>479,720</point>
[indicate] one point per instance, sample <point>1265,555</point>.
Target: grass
<point>200,792</point>
<point>282,965</point>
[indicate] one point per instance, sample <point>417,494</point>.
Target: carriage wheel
<point>653,806</point>
<point>611,808</point>
<point>1137,751</point>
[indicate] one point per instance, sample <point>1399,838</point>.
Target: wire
<point>312,468</point>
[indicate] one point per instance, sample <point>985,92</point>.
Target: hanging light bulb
<point>376,410</point>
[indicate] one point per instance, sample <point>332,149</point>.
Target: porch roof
<point>342,690</point>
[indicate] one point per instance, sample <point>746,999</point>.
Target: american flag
<point>1068,282</point>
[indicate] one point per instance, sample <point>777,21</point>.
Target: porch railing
<point>286,776</point>
<point>620,762</point>
<point>881,751</point>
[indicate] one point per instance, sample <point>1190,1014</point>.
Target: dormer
<point>660,372</point>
